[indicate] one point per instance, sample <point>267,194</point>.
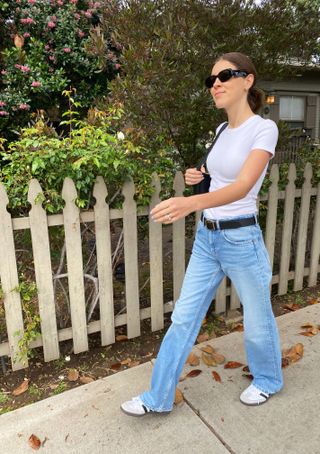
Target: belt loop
<point>256,218</point>
<point>218,224</point>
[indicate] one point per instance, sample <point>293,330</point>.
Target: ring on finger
<point>168,216</point>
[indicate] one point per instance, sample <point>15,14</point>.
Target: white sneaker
<point>253,396</point>
<point>135,407</point>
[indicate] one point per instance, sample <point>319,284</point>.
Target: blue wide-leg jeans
<point>241,255</point>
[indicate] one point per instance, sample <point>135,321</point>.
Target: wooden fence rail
<point>38,222</point>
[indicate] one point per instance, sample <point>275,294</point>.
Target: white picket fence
<point>39,223</point>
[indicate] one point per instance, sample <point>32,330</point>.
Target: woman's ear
<point>249,81</point>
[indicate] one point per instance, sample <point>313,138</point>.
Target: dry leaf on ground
<point>178,396</point>
<point>85,379</point>
<point>121,337</point>
<point>34,442</point>
<point>208,349</point>
<point>292,354</point>
<point>202,337</point>
<point>193,359</point>
<point>191,374</point>
<point>291,306</point>
<point>216,376</point>
<point>232,365</point>
<point>208,359</point>
<point>73,375</point>
<point>21,388</point>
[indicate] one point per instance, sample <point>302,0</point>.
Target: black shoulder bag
<point>204,185</point>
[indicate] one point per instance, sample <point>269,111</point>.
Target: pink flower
<point>24,106</point>
<point>81,34</point>
<point>51,24</point>
<point>74,1</point>
<point>26,35</point>
<point>24,69</point>
<point>4,72</point>
<point>32,2</point>
<point>77,16</point>
<point>36,84</point>
<point>47,47</point>
<point>117,65</point>
<point>3,113</point>
<point>27,20</point>
<point>2,103</point>
<point>67,49</point>
<point>59,2</point>
<point>52,58</point>
<point>18,1</point>
<point>88,14</point>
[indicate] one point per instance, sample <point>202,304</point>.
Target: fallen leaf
<point>126,361</point>
<point>306,333</point>
<point>232,365</point>
<point>115,366</point>
<point>219,359</point>
<point>314,301</point>
<point>193,359</point>
<point>208,359</point>
<point>73,375</point>
<point>54,386</point>
<point>178,397</point>
<point>202,337</point>
<point>34,442</point>
<point>307,325</point>
<point>291,306</point>
<point>21,388</point>
<point>293,354</point>
<point>85,379</point>
<point>246,369</point>
<point>216,376</point>
<point>192,373</point>
<point>121,337</point>
<point>204,322</point>
<point>237,327</point>
<point>134,363</point>
<point>208,349</point>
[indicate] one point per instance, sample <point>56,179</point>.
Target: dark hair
<point>241,61</point>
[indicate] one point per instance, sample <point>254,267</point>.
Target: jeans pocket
<point>239,236</point>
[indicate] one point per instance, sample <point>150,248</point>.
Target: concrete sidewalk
<point>211,420</point>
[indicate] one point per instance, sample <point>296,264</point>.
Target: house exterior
<point>295,100</point>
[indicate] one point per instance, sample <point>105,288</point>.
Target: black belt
<point>232,224</point>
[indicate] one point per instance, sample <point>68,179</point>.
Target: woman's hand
<point>172,209</point>
<point>193,176</point>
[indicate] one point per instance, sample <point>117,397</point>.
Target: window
<point>292,108</point>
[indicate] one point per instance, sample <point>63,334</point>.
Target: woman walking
<point>228,242</point>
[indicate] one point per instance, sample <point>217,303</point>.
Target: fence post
<point>10,281</point>
<point>156,264</point>
<point>43,272</point>
<point>315,244</point>
<point>71,220</point>
<point>104,264</point>
<point>303,228</point>
<point>130,238</point>
<point>179,242</point>
<point>287,231</point>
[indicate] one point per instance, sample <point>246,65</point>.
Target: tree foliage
<point>169,49</point>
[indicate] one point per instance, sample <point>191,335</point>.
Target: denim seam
<point>188,338</point>
<point>267,318</point>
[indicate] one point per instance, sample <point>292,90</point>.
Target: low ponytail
<point>256,98</point>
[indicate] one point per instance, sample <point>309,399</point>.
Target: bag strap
<point>203,161</point>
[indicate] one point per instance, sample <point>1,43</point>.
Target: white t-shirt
<point>229,154</point>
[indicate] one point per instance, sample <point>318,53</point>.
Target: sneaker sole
<point>146,413</point>
<point>255,404</point>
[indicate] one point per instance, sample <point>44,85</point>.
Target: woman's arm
<point>178,207</point>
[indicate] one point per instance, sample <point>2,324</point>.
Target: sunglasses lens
<point>210,81</point>
<point>225,75</point>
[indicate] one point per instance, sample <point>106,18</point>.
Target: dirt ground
<point>70,371</point>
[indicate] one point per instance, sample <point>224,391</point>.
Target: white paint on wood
<point>71,220</point>
<point>104,263</point>
<point>130,238</point>
<point>43,272</point>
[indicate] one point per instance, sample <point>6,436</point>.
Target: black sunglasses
<point>225,75</point>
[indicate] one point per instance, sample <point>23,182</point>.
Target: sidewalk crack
<point>215,433</point>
